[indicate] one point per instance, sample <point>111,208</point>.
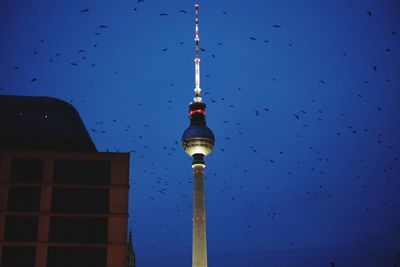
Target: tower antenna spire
<point>197,89</point>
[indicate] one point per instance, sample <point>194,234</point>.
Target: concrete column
<point>45,208</point>
<point>199,246</point>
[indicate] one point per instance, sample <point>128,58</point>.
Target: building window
<point>26,171</point>
<point>21,229</point>
<point>82,172</point>
<point>23,198</point>
<point>80,200</point>
<point>76,257</point>
<point>18,257</point>
<point>78,230</point>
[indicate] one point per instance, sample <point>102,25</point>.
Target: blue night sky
<point>306,167</point>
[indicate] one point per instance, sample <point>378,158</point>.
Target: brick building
<point>62,203</point>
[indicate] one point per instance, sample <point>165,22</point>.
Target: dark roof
<point>45,123</point>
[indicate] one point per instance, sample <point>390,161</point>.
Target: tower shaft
<point>199,245</point>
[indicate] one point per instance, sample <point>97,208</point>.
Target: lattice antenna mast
<point>197,89</point>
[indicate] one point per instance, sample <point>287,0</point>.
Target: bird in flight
<point>252,38</point>
<point>163,14</point>
<point>276,25</point>
<point>183,11</point>
<point>84,10</point>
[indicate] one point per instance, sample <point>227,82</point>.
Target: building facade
<point>62,203</point>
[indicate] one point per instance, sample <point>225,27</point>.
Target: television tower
<point>198,141</point>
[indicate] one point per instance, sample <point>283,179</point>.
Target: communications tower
<point>198,141</point>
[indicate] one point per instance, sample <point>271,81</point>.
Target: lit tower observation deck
<point>198,141</point>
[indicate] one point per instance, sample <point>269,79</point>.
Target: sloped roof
<point>45,123</point>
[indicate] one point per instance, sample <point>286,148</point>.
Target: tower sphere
<point>198,139</point>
